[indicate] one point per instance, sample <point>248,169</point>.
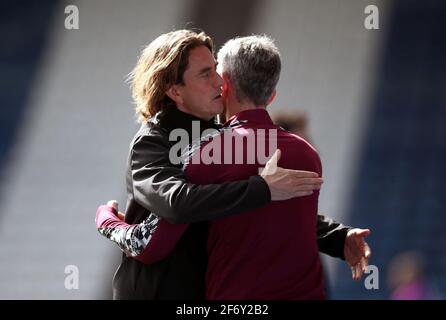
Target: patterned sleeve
<point>139,241</point>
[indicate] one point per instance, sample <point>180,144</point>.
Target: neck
<point>233,107</point>
<point>200,116</point>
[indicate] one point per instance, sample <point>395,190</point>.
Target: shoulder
<point>209,138</point>
<point>150,145</point>
<point>298,141</point>
<point>149,135</point>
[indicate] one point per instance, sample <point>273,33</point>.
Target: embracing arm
<point>161,187</point>
<point>149,241</point>
<point>331,236</point>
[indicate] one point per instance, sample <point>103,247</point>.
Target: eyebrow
<point>204,70</point>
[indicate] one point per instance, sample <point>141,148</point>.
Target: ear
<point>226,84</point>
<point>271,98</point>
<point>174,93</point>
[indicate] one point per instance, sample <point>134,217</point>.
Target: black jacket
<point>155,185</point>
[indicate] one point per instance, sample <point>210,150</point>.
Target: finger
<point>307,187</point>
<point>367,251</point>
<point>294,194</point>
<point>354,260</point>
<point>353,273</point>
<point>358,271</point>
<point>303,174</point>
<point>315,186</point>
<point>306,181</point>
<point>364,264</point>
<point>303,193</point>
<point>113,204</point>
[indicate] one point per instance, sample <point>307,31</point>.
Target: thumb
<point>277,154</point>
<point>363,232</point>
<point>113,204</point>
<point>274,159</point>
<point>271,165</point>
<point>121,216</point>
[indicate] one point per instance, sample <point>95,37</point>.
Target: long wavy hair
<point>162,64</point>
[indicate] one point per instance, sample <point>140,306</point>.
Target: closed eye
<point>206,72</point>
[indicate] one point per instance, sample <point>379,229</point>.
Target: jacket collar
<point>258,116</point>
<point>171,118</point>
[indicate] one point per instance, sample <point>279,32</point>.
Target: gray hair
<point>253,66</point>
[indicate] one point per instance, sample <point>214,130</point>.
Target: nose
<point>218,80</point>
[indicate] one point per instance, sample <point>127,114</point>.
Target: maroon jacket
<point>266,253</point>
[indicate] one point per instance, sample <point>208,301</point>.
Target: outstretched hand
<point>357,252</point>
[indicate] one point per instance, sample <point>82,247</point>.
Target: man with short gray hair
<point>240,59</point>
<point>269,252</point>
